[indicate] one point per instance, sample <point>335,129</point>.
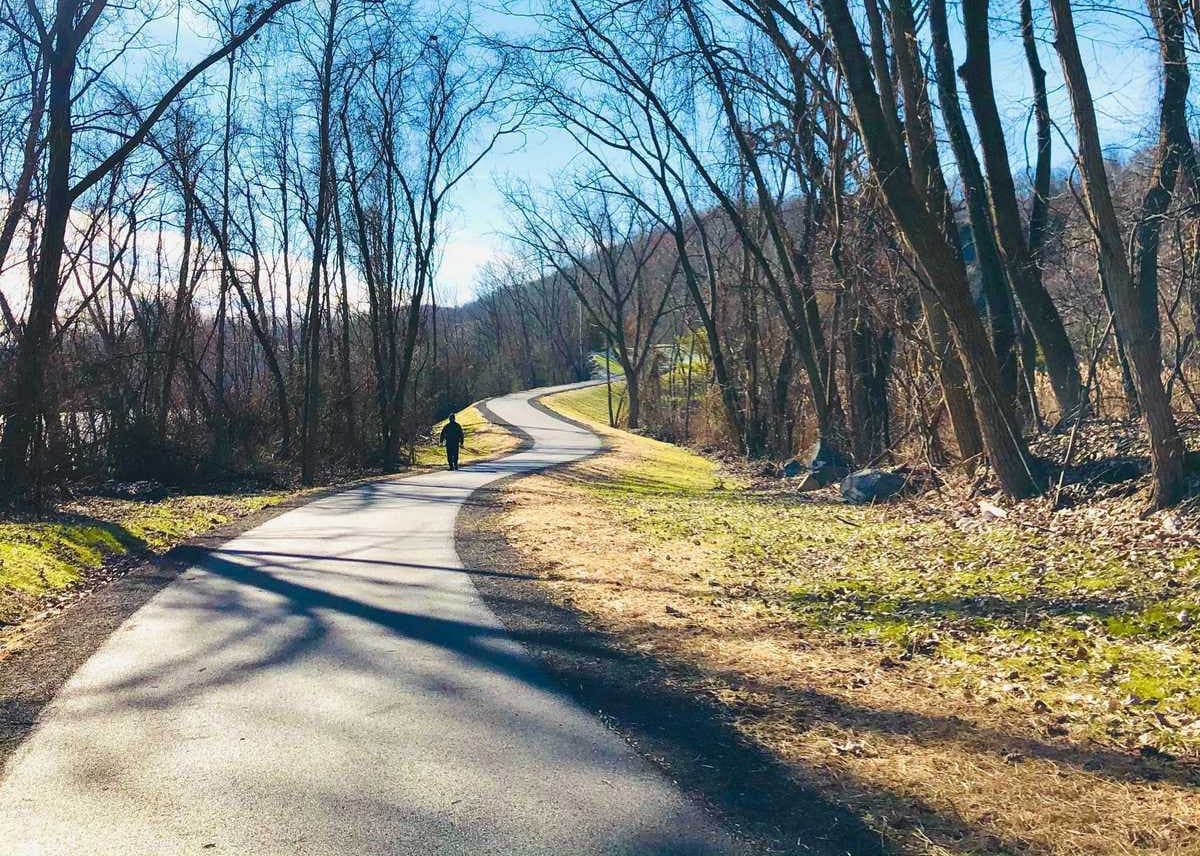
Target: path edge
<point>628,691</point>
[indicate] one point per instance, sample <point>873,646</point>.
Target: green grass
<point>656,469</point>
<point>39,559</point>
<point>481,440</point>
<point>599,361</point>
<point>1104,633</point>
<point>590,404</point>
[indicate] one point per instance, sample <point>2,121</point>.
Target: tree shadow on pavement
<point>657,705</point>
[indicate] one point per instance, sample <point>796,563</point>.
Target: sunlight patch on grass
<point>642,467</point>
<point>39,559</point>
<point>482,439</point>
<point>590,404</point>
<point>1106,637</point>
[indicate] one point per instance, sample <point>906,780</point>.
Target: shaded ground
<point>964,683</point>
<point>685,733</point>
<point>53,559</point>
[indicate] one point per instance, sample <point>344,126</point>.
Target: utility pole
<point>582,357</point>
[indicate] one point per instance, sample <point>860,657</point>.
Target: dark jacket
<point>452,435</point>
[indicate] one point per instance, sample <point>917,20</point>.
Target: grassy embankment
<point>482,440</point>
<point>47,561</point>
<point>44,560</point>
<point>966,684</point>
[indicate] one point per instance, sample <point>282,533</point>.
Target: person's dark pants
<point>452,456</point>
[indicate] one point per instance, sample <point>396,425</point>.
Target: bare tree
<point>1166,446</point>
<point>60,41</point>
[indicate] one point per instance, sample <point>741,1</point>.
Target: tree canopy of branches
<point>785,222</point>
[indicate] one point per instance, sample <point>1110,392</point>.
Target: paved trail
<point>331,683</point>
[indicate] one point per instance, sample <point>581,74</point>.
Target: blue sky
<point>1120,56</point>
<point>1124,81</point>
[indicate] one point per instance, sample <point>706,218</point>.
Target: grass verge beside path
<point>482,439</point>
<point>43,561</point>
<point>965,684</point>
<point>590,404</point>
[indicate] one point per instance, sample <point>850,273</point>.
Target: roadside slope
<point>965,687</point>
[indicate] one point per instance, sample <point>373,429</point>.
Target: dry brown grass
<point>933,765</point>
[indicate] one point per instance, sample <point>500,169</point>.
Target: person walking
<point>452,439</point>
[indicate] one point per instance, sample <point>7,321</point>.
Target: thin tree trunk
<point>310,439</point>
<point>1023,273</point>
<point>927,174</point>
<point>991,267</point>
<point>1173,139</point>
<point>30,396</point>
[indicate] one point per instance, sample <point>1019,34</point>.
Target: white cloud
<point>462,260</point>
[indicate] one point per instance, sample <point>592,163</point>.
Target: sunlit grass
<point>482,440</point>
<point>590,404</point>
<point>647,467</point>
<point>41,558</point>
<point>1005,611</point>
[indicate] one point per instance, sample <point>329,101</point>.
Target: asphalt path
<point>331,683</point>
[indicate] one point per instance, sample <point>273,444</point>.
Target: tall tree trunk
<point>30,397</point>
<point>1040,209</point>
<point>1039,212</point>
<point>19,197</point>
<point>927,174</point>
<point>923,234</point>
<point>310,438</point>
<point>1166,446</point>
<point>991,268</point>
<point>1023,273</point>
<point>1173,140</point>
<point>348,414</point>
<point>796,299</point>
<point>182,301</point>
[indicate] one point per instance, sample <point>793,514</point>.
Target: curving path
<point>331,683</point>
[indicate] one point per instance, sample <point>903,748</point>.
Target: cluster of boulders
<point>823,465</point>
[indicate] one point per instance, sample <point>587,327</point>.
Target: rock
<point>793,468</point>
<point>872,485</point>
<point>879,485</point>
<point>822,463</point>
<point>990,509</point>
